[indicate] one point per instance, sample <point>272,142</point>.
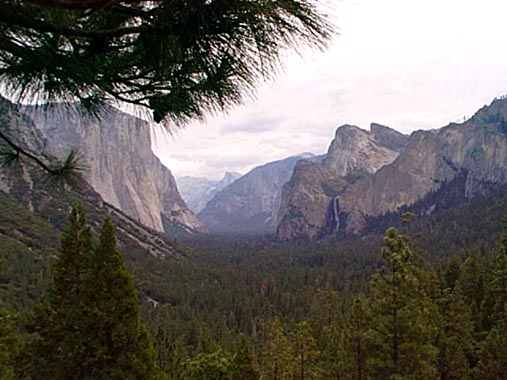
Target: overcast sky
<point>408,64</point>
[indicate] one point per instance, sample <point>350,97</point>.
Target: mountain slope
<point>120,164</point>
<point>477,147</point>
<point>308,207</point>
<point>33,212</point>
<point>250,203</point>
<point>197,192</point>
<point>475,150</point>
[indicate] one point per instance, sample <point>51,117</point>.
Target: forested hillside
<point>233,306</point>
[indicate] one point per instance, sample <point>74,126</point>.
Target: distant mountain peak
<point>250,203</point>
<point>197,192</point>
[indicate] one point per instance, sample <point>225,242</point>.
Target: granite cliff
<point>120,164</point>
<point>308,207</point>
<point>250,203</point>
<point>35,209</point>
<point>475,150</point>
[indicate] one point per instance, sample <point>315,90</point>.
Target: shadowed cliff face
<point>306,203</point>
<point>250,203</point>
<point>309,207</point>
<point>120,164</point>
<point>476,149</point>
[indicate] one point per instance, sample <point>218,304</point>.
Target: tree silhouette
<point>88,326</point>
<point>178,59</point>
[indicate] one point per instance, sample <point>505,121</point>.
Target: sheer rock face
<point>27,186</point>
<point>309,208</point>
<point>197,192</point>
<point>250,203</point>
<point>356,151</point>
<point>476,149</point>
<point>306,209</point>
<point>120,164</point>
<point>21,130</point>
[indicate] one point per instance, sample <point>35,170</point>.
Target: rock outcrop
<point>355,151</point>
<point>309,207</point>
<point>120,164</point>
<point>475,150</point>
<point>197,192</point>
<point>25,186</point>
<point>306,206</point>
<point>250,203</point>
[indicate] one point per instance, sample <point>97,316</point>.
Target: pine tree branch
<point>25,21</point>
<point>24,152</point>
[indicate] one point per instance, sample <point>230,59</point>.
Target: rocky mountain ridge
<point>477,147</point>
<point>475,150</point>
<point>197,192</point>
<point>308,207</point>
<point>120,165</point>
<point>249,204</point>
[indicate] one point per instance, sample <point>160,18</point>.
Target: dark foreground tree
<point>178,58</point>
<point>402,317</point>
<point>88,326</point>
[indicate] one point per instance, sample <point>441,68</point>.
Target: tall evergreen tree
<point>401,328</point>
<point>493,356</point>
<point>278,358</point>
<point>498,286</point>
<point>355,340</point>
<point>88,326</point>
<point>471,285</point>
<point>306,352</point>
<point>332,351</point>
<point>54,349</point>
<point>455,340</point>
<point>117,340</point>
<point>9,341</point>
<point>242,366</point>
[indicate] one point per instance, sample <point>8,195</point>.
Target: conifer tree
<point>242,367</point>
<point>213,366</point>
<point>356,366</point>
<point>88,326</point>
<point>455,340</point>
<point>54,349</point>
<point>334,356</point>
<point>8,342</point>
<point>471,286</point>
<point>493,356</point>
<point>401,326</point>
<point>306,353</point>
<point>278,356</point>
<point>118,343</point>
<point>498,287</point>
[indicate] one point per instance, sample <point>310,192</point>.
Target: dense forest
<point>425,300</point>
